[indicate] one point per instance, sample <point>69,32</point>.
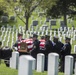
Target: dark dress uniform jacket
<point>0,52</point>
<point>57,47</point>
<point>66,49</point>
<point>35,49</point>
<point>48,47</point>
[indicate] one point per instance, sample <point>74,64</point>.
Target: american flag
<point>29,43</point>
<point>42,44</point>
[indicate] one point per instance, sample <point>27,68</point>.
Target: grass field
<point>8,71</point>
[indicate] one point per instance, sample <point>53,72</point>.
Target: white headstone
<point>64,36</point>
<point>60,38</point>
<point>38,33</point>
<point>62,33</point>
<point>68,28</point>
<point>46,32</point>
<point>7,43</point>
<point>40,62</point>
<point>74,37</point>
<point>54,33</point>
<point>65,29</point>
<point>75,68</point>
<point>71,41</point>
<point>3,43</point>
<point>34,64</point>
<point>50,37</point>
<point>74,32</point>
<point>15,60</point>
<point>25,65</point>
<point>53,64</point>
<point>0,38</point>
<point>42,33</point>
<point>68,65</point>
<point>59,33</point>
<point>11,62</point>
<point>74,48</point>
<point>50,33</point>
<point>72,28</point>
<point>61,29</point>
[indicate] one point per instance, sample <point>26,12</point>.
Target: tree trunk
<point>27,21</point>
<point>64,12</point>
<point>65,20</point>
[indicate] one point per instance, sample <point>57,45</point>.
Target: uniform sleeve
<point>16,44</point>
<point>48,47</point>
<point>36,45</point>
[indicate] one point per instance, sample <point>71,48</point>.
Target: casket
<point>29,43</point>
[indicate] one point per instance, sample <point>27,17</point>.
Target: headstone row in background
<point>10,33</point>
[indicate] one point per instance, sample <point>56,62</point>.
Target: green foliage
<point>62,7</point>
<point>47,4</point>
<point>1,12</point>
<point>3,5</point>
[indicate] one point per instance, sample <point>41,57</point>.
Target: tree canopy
<point>62,8</point>
<point>3,6</point>
<point>26,7</point>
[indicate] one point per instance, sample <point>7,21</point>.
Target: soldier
<point>57,45</point>
<point>35,49</point>
<point>48,45</point>
<point>15,46</point>
<point>66,50</point>
<point>48,49</point>
<point>42,45</point>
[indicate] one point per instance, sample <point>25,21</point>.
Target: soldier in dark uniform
<point>57,46</point>
<point>35,49</point>
<point>15,46</point>
<point>48,45</point>
<point>48,49</point>
<point>66,50</point>
<point>42,45</point>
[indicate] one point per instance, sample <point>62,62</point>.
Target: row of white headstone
<point>8,35</point>
<point>26,64</point>
<point>15,36</point>
<point>21,29</point>
<point>61,34</point>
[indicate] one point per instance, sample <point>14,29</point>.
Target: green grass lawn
<point>8,71</point>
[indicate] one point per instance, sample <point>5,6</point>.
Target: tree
<point>62,8</point>
<point>27,7</point>
<point>3,6</point>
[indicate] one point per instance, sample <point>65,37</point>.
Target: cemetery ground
<point>8,71</point>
